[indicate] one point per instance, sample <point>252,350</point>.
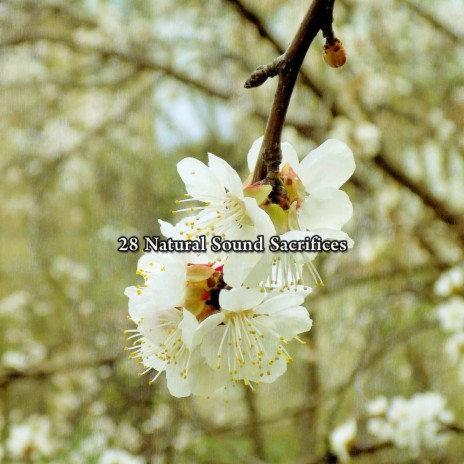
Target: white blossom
<point>414,424</point>
<point>14,303</point>
<point>30,439</point>
<point>342,438</point>
<point>367,136</point>
<point>178,292</point>
<point>314,183</point>
<point>185,315</point>
<point>454,347</point>
<point>225,210</point>
<point>317,207</point>
<point>128,436</point>
<point>119,456</point>
<point>450,281</point>
<point>377,406</point>
<point>31,353</point>
<point>247,340</point>
<point>64,267</point>
<point>451,314</point>
<point>90,445</point>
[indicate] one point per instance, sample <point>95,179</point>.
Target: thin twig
<point>287,67</point>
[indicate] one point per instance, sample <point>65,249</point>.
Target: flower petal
<point>226,175</point>
<point>188,325</point>
<point>238,266</point>
<point>200,183</point>
<point>333,234</point>
<point>292,321</point>
<point>289,155</point>
<point>279,302</point>
<point>207,326</point>
<point>326,208</point>
<point>239,299</point>
<point>329,165</point>
<point>178,386</point>
<point>253,153</point>
<point>262,223</point>
<point>204,380</point>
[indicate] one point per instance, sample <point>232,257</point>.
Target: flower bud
<point>334,55</point>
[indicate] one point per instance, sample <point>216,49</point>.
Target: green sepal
<point>260,192</point>
<point>278,217</point>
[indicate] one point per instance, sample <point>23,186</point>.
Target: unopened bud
<point>334,55</point>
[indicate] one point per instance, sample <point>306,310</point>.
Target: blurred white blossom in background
<point>31,439</point>
<point>414,424</point>
<point>341,439</point>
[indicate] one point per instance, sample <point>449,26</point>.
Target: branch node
<point>261,74</point>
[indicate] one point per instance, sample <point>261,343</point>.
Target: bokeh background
<point>100,99</point>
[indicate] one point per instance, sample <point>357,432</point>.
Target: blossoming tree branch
<point>218,319</point>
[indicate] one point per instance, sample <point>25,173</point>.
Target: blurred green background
<point>100,99</point>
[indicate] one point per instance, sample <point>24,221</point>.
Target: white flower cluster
<point>204,335</point>
<point>451,314</point>
<point>211,321</point>
<point>31,439</point>
<point>413,424</point>
<point>449,282</point>
<point>315,205</point>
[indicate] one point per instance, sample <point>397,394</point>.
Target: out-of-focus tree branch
<point>136,96</point>
<point>440,209</point>
<point>433,21</point>
<point>132,57</point>
<point>49,369</point>
<point>254,421</point>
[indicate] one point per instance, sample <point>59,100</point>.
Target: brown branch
<point>265,33</point>
<point>287,67</point>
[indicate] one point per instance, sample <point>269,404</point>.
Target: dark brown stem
<point>287,67</point>
<point>327,28</point>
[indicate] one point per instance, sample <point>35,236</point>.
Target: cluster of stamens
<point>213,217</point>
<point>243,343</point>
